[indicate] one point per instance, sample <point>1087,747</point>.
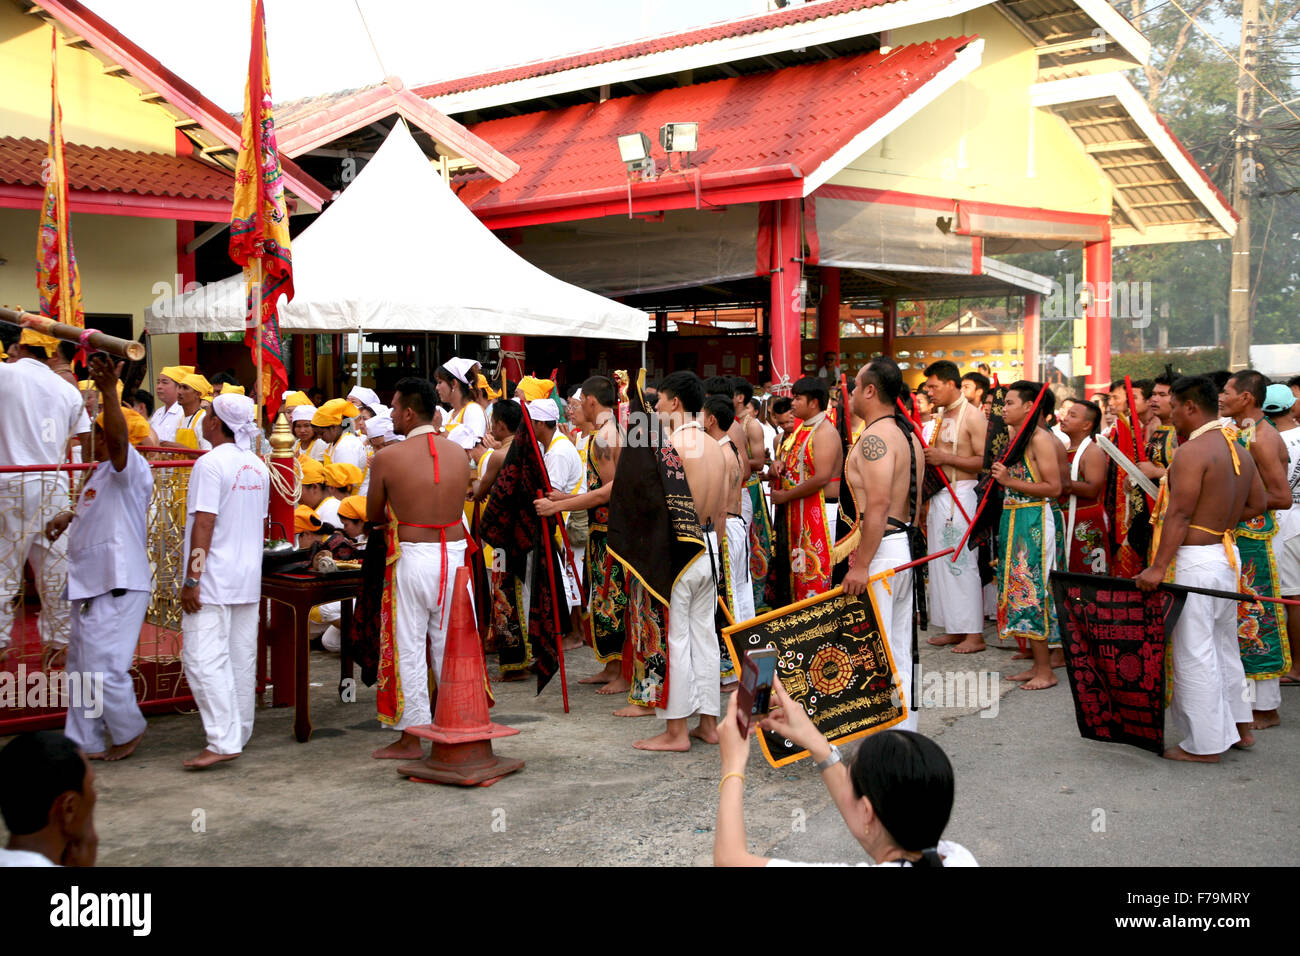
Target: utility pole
<point>1243,183</point>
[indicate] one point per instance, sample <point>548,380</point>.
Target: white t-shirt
<point>233,485</point>
<point>328,511</point>
<point>348,450</point>
<point>108,541</point>
<point>165,421</point>
<point>24,857</point>
<point>1289,521</point>
<point>38,413</point>
<point>468,426</point>
<point>953,854</point>
<point>563,464</point>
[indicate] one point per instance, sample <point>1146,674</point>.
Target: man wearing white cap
<point>565,471</point>
<point>466,425</point>
<point>226,509</point>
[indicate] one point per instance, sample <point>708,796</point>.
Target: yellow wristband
<point>725,776</point>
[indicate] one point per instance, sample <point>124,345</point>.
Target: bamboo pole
<point>98,341</point>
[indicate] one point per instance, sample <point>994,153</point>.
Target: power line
<point>366,27</point>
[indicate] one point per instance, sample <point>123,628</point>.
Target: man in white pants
<point>224,529</point>
<point>955,594</point>
<point>881,472</point>
<point>693,654</point>
<point>39,413</point>
<point>1213,484</point>
<point>109,579</point>
<point>717,417</point>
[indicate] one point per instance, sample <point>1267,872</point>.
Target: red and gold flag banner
<point>259,218</point>
<point>57,281</point>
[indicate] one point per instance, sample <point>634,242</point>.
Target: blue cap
<point>1278,398</point>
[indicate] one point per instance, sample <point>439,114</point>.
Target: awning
<point>1160,193</point>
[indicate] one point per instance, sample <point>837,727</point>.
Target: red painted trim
<point>738,195</point>
<point>76,19</point>
<point>976,256</point>
<point>120,204</point>
<point>188,343</point>
<point>915,200</point>
<point>810,234</point>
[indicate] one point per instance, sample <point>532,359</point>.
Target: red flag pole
<point>257,311</point>
<point>921,437</point>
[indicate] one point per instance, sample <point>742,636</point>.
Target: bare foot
<point>619,685</point>
<point>406,747</point>
<point>101,755</point>
<point>1178,753</point>
<point>572,642</point>
<point>54,656</point>
<point>1022,676</point>
<point>612,670</point>
<point>972,645</point>
<point>509,677</point>
<point>1057,658</point>
<point>206,759</point>
<point>1022,656</point>
<point>707,734</point>
<point>1247,738</point>
<point>665,741</point>
<point>1265,719</point>
<point>122,751</point>
<point>943,640</point>
<point>1040,682</point>
<point>634,710</point>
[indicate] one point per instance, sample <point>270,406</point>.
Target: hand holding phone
<point>754,698</point>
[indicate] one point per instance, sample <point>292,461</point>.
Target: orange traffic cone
<point>461,731</point>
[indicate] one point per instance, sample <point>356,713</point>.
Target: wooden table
<point>300,592</point>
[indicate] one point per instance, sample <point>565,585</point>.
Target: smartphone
<point>754,698</point>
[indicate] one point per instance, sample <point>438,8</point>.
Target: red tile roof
<point>796,117</point>
<point>98,169</point>
<point>718,31</point>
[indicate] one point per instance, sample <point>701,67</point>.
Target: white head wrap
<point>460,368</point>
<point>543,410</point>
<point>379,428</point>
<point>576,396</point>
<point>360,395</point>
<point>302,413</point>
<point>238,412</point>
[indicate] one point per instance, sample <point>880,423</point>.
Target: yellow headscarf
<point>482,383</point>
<point>333,412</point>
<point>342,474</point>
<point>354,507</point>
<point>229,389</point>
<point>137,426</point>
<point>177,373</point>
<point>535,388</point>
<point>32,337</point>
<point>200,384</point>
<point>305,519</point>
<point>295,399</point>
<point>313,473</point>
<point>86,385</point>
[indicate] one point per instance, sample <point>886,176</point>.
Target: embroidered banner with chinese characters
<point>833,660</point>
<point>1114,638</point>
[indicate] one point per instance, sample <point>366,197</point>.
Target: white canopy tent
<point>398,252</point>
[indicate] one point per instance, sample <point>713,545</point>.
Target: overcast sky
<point>319,46</point>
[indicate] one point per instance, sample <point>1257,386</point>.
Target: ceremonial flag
<point>834,661</point>
<point>58,282</point>
<point>510,523</point>
<point>259,219</point>
<point>1114,637</point>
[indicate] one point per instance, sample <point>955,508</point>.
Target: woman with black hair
<point>895,798</point>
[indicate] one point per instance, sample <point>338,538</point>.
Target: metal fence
<point>33,613</point>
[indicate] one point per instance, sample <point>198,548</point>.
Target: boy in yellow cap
<point>191,393</point>
<point>340,446</point>
<point>167,417</point>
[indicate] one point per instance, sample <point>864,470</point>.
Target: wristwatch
<point>834,758</point>
<point>191,582</point>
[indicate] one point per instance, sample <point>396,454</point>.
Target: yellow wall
<point>120,259</point>
<point>974,141</point>
<point>98,110</point>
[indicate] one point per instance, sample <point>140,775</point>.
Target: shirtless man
<point>430,515</point>
<point>1082,484</point>
<point>1160,438</point>
<point>1242,399</point>
<point>693,658</point>
<point>598,402</point>
<point>880,476</point>
<point>718,415</point>
<point>956,601</point>
<point>1207,498</point>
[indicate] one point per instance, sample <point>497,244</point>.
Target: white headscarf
<point>302,413</point>
<point>363,396</point>
<point>543,410</point>
<point>460,368</point>
<point>380,428</point>
<point>238,412</point>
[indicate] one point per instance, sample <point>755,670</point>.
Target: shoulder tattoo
<point>873,447</point>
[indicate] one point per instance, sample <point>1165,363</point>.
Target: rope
<point>292,492</point>
<point>366,27</point>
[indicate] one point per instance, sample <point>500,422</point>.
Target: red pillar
<point>889,325</point>
<point>786,271</point>
<point>187,342</point>
<point>828,314</point>
<point>1033,312</point>
<point>513,363</point>
<point>1096,272</point>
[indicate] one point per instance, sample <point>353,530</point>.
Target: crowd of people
<point>790,496</point>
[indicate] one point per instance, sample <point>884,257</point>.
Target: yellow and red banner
<point>57,281</point>
<point>259,218</point>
